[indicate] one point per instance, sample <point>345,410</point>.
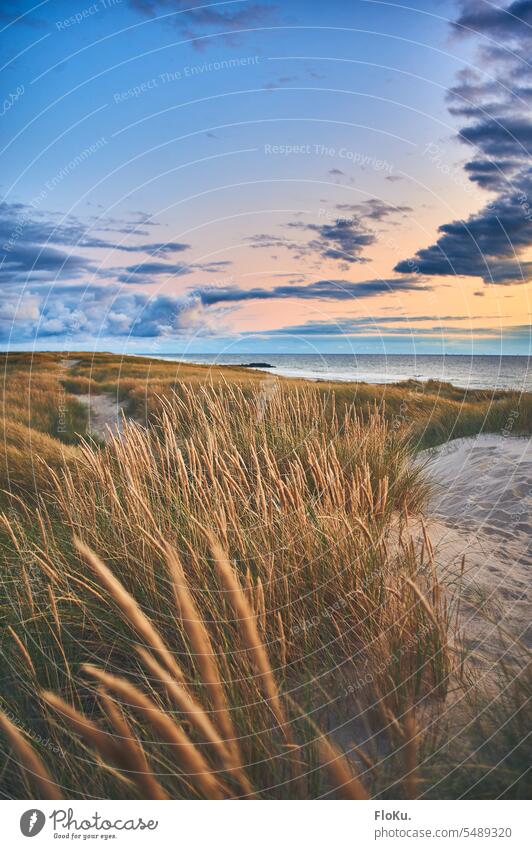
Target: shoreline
<point>467,381</point>
<point>365,377</point>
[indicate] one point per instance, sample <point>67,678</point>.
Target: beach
<point>479,512</point>
<point>474,371</point>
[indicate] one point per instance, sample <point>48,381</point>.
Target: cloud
<point>344,240</point>
<point>155,248</point>
<point>343,326</point>
<point>487,245</point>
<point>17,308</point>
<point>93,311</point>
<point>334,290</point>
<point>489,173</point>
<point>343,236</point>
<point>198,19</point>
<point>21,222</point>
<point>42,263</point>
<point>497,138</point>
<point>33,242</point>
<point>346,237</point>
<point>373,209</point>
<point>88,312</point>
<point>492,242</point>
<point>144,272</point>
<point>509,23</point>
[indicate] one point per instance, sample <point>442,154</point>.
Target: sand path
<point>480,509</point>
<point>106,415</point>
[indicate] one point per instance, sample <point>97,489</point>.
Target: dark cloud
<point>156,248</point>
<point>145,271</point>
<point>342,236</point>
<point>492,242</point>
<point>510,22</point>
<point>33,242</point>
<point>497,138</point>
<point>334,290</point>
<point>346,237</point>
<point>378,325</point>
<point>385,324</point>
<point>373,209</point>
<point>490,173</point>
<point>27,223</point>
<point>487,245</point>
<point>344,240</point>
<point>43,263</point>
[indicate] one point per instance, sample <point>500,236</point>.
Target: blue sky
<point>248,176</point>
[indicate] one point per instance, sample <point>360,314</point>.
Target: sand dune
<point>480,509</point>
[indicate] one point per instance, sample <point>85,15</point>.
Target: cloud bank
<point>497,106</point>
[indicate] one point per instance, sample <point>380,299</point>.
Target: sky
<point>240,177</point>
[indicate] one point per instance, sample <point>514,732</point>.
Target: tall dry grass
<point>434,411</point>
<point>39,423</point>
<point>212,592</point>
<point>229,604</point>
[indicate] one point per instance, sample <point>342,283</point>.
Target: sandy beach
<point>480,511</point>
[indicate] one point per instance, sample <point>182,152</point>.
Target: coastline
<point>478,371</point>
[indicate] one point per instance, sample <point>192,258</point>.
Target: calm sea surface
<point>475,372</point>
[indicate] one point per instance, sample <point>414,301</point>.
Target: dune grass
<point>233,603</point>
<point>40,423</point>
<point>433,411</point>
<point>40,414</point>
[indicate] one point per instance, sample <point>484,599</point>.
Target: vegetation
<point>238,600</point>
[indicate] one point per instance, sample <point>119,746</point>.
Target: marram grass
<point>232,603</point>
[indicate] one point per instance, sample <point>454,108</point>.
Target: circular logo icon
<point>32,822</point>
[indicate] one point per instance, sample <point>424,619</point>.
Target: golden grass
<point>131,610</point>
<point>225,535</point>
<point>190,599</point>
<point>187,756</point>
<point>29,762</point>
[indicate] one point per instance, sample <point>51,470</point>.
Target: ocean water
<point>473,372</point>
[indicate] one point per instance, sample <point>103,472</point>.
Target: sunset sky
<point>266,177</point>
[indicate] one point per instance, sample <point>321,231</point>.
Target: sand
<point>480,509</point>
<point>106,415</point>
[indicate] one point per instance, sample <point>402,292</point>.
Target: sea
<point>472,372</point>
